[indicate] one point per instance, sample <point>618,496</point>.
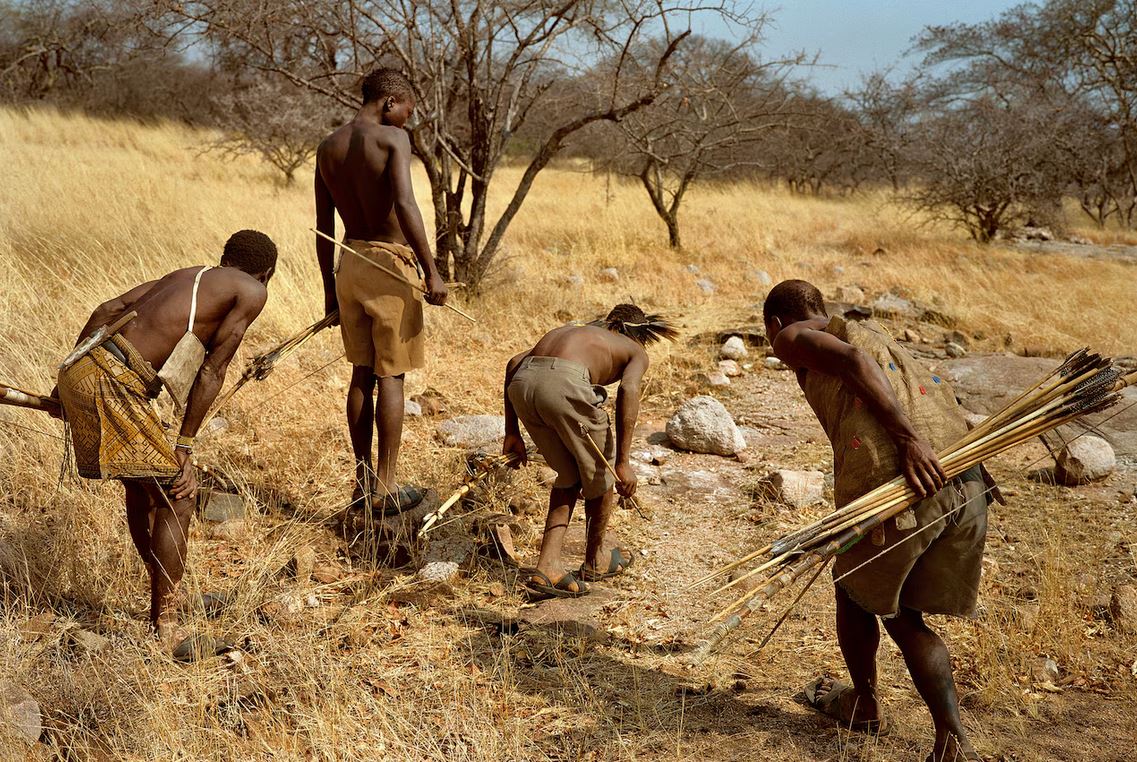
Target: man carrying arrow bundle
<point>363,171</point>
<point>884,414</point>
<point>185,328</point>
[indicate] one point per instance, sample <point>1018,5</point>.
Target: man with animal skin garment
<point>187,327</point>
<point>557,389</point>
<point>884,414</point>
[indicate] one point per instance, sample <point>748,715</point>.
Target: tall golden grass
<point>89,208</point>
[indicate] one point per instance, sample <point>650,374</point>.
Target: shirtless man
<point>106,396</point>
<point>884,414</point>
<point>363,171</point>
<point>556,389</point>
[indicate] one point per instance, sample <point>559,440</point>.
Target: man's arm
<point>801,347</point>
<point>627,411</point>
<point>513,443</point>
<point>325,249</point>
<point>112,310</point>
<point>409,216</point>
<point>250,300</point>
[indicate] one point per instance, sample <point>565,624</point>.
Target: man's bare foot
<point>608,563</point>
<point>954,749</point>
<point>169,632</point>
<point>839,700</point>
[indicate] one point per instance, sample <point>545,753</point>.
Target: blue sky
<point>859,36</point>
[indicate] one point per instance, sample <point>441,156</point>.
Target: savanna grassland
<point>90,208</point>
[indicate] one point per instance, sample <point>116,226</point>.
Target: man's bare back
<point>605,353</point>
<point>353,163</point>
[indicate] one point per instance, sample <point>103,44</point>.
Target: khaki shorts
<point>380,317</point>
<point>554,398</point>
<point>937,571</point>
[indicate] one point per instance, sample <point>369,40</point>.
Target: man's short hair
<point>793,300</point>
<point>386,82</point>
<point>251,251</point>
<point>630,320</point>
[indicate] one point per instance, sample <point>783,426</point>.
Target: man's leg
<point>597,511</point>
<point>360,413</point>
<point>140,519</point>
<point>859,637</point>
<point>562,500</point>
<point>389,423</point>
<point>930,666</point>
<point>168,547</point>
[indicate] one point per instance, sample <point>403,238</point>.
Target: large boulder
<point>1084,460</point>
<point>472,431</point>
<point>703,425</point>
<point>19,714</point>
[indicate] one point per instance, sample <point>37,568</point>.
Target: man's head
<point>791,301</point>
<point>630,320</point>
<point>252,252</point>
<point>392,92</point>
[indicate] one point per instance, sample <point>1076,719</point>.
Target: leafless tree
<point>719,98</point>
<point>480,68</point>
<point>883,115</point>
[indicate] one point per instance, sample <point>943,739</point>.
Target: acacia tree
<point>718,100</point>
<point>883,115</point>
<point>480,70</point>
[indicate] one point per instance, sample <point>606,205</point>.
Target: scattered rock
<point>1035,233</point>
<point>438,571</point>
<point>763,278</point>
<point>958,337</point>
<point>303,563</point>
<point>717,378</point>
<point>472,431</point>
<point>573,279</point>
<point>893,306</point>
<point>654,455</point>
<point>912,337</point>
<point>848,311</point>
<point>693,268</point>
<point>222,506</point>
<point>973,419</point>
<point>954,350</point>
<point>430,404</point>
<point>730,368</point>
<point>412,408</point>
<point>200,646</point>
<point>326,574</point>
<point>1123,608</point>
<point>794,488</point>
<point>578,617</point>
<point>546,476</point>
<point>19,713</point>
<point>733,348</point>
<point>1045,670</point>
<point>702,424</point>
<point>850,294</point>
<point>39,626</point>
<point>706,286</point>
<point>88,642</point>
<point>773,363</point>
<point>215,425</point>
<point>609,275</point>
<point>1086,459</point>
<point>1080,241</point>
<point>233,530</point>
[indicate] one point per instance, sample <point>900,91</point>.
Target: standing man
<point>363,171</point>
<point>884,414</point>
<point>188,326</point>
<point>556,389</point>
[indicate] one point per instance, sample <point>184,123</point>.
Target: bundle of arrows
<point>1084,383</point>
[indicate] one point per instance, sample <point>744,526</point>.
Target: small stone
<point>412,408</point>
<point>546,476</point>
<point>472,431</point>
<point>302,564</point>
<point>574,279</point>
<point>850,294</point>
<point>838,270</point>
<point>1085,459</point>
<point>233,530</point>
<point>693,269</point>
<point>438,571</point>
<point>973,419</point>
<point>215,425</point>
<point>730,368</point>
<point>733,348</point>
<point>312,601</point>
<point>954,350</point>
<point>654,455</point>
<point>39,626</point>
<point>893,305</point>
<point>763,278</point>
<point>326,574</point>
<point>19,713</point>
<point>1123,608</point>
<point>609,275</point>
<point>706,286</point>
<point>500,538</point>
<point>717,378</point>
<point>88,642</point>
<point>798,489</point>
<point>912,337</point>
<point>702,424</point>
<point>223,506</point>
<point>429,405</point>
<point>1045,671</point>
<point>773,363</point>
<point>958,337</point>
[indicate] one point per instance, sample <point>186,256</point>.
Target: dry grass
<point>89,208</point>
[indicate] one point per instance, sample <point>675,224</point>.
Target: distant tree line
<point>1001,123</point>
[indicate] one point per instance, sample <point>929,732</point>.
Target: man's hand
<point>920,466</point>
<point>515,445</point>
<point>436,290</point>
<point>626,479</point>
<point>331,304</point>
<point>56,412</point>
<point>186,483</point>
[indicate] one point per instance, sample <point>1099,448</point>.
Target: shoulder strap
<point>193,298</point>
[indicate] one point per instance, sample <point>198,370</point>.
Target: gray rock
<point>703,425</point>
<point>573,279</point>
<point>223,506</point>
<point>412,408</point>
<point>1084,460</point>
<point>794,488</point>
<point>655,455</point>
<point>215,425</point>
<point>717,378</point>
<point>893,305</point>
<point>88,642</point>
<point>958,337</point>
<point>233,530</point>
<point>955,350</point>
<point>763,278</point>
<point>850,294</point>
<point>693,269</point>
<point>19,713</point>
<point>609,275</point>
<point>733,348</point>
<point>1123,608</point>
<point>773,363</point>
<point>705,285</point>
<point>1045,671</point>
<point>730,368</point>
<point>973,419</point>
<point>438,571</point>
<point>472,431</point>
<point>303,563</point>
<point>912,337</point>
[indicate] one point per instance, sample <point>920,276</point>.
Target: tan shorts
<point>554,398</point>
<point>380,317</point>
<point>937,571</point>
